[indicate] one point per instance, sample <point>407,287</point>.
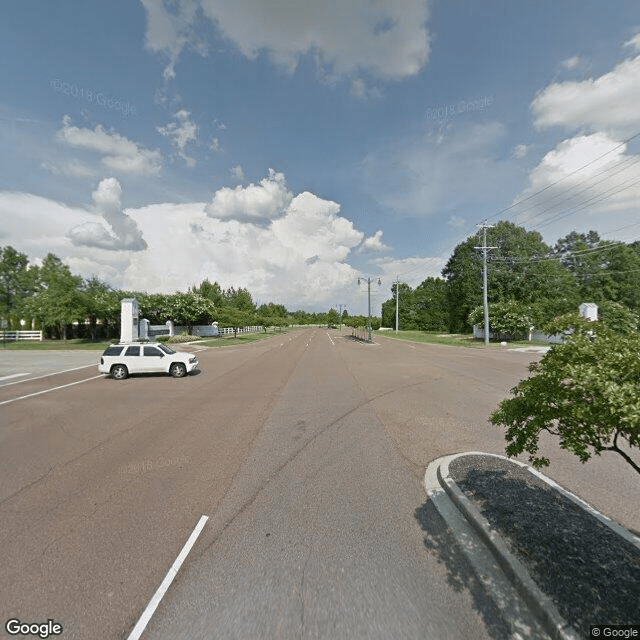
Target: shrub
<point>183,338</point>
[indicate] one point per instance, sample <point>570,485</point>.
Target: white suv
<point>120,360</point>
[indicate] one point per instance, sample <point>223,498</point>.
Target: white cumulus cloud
<point>256,202</point>
<point>300,259</point>
<point>388,40</point>
<point>182,131</point>
<point>374,243</point>
<point>606,103</point>
<point>118,153</point>
<point>586,182</point>
<point>122,232</point>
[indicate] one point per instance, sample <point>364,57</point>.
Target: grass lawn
<point>101,345</point>
<point>242,338</point>
<point>58,345</point>
<point>453,339</point>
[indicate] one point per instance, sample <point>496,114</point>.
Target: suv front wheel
<point>119,372</point>
<point>178,370</point>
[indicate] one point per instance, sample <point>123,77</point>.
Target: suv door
<point>131,359</point>
<point>153,359</point>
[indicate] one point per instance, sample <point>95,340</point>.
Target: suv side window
<point>132,351</point>
<point>112,351</point>
<point>152,351</point>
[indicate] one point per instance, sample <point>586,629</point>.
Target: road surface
<point>306,453</point>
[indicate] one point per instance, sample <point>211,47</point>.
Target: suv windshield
<point>166,349</point>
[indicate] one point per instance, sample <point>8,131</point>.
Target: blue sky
<point>291,147</point>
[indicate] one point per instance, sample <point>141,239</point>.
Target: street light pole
<point>397,298</point>
<point>369,298</point>
<point>340,319</point>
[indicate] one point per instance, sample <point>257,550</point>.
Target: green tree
<point>189,309</point>
<point>585,392</point>
<point>58,301</point>
<point>211,291</point>
<point>581,254</point>
<point>333,318</point>
<point>617,317</point>
<point>507,319</point>
<point>519,269</point>
<point>407,314</point>
<point>239,299</point>
<point>16,281</point>
<point>620,281</point>
<point>101,304</point>
<point>430,304</point>
<point>229,317</point>
<point>272,309</point>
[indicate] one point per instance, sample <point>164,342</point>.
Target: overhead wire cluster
<point>541,208</point>
<point>553,203</point>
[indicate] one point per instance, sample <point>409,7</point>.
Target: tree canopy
<point>584,392</point>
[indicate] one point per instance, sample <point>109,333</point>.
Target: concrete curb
<point>439,483</point>
<point>540,604</point>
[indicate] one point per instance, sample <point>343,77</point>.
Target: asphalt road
<point>306,451</point>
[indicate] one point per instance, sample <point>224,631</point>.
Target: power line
<point>553,184</point>
<point>569,195</point>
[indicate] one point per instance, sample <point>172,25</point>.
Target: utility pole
<point>484,248</point>
<point>340,320</point>
<point>397,298</point>
<point>369,317</point>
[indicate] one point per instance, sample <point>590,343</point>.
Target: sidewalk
<point>531,542</point>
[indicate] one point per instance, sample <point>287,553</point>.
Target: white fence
<point>22,335</point>
<point>360,333</point>
<point>203,331</point>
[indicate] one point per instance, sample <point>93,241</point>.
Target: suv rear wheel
<point>119,372</point>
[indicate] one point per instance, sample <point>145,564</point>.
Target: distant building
<point>589,310</point>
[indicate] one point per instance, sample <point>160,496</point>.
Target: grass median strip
<point>451,339</point>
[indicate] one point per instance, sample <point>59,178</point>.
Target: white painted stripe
<point>166,583</point>
<point>55,373</point>
<point>13,375</point>
<point>330,338</point>
<point>38,393</point>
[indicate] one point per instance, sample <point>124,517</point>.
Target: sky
<point>294,147</point>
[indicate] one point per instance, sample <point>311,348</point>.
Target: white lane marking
<point>55,373</point>
<point>168,579</point>
<point>13,375</point>
<point>64,386</point>
<point>330,338</point>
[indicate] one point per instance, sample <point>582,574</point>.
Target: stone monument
<point>129,320</point>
